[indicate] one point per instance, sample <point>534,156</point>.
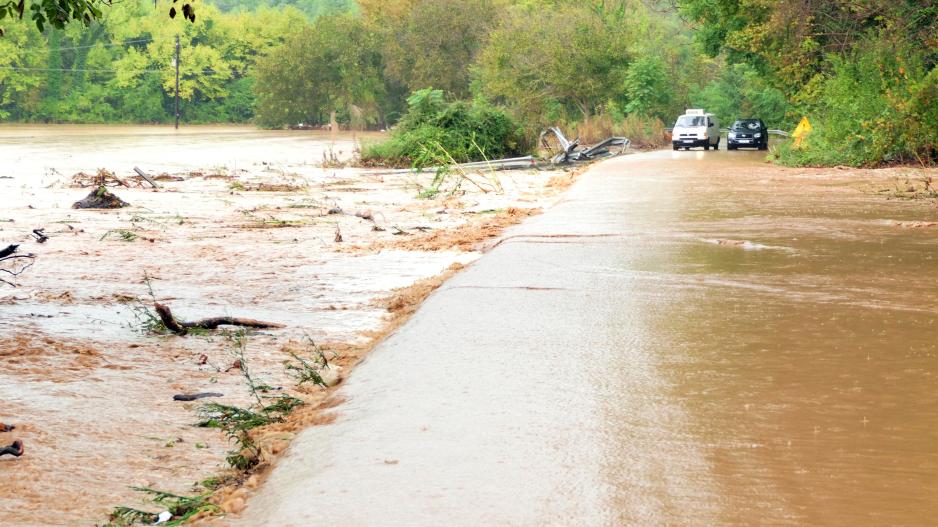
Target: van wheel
<point>675,147</point>
<point>706,147</point>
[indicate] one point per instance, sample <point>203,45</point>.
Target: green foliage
<point>553,64</point>
<point>648,87</point>
<point>120,69</point>
<point>237,422</point>
<point>740,92</point>
<point>311,8</point>
<point>309,368</point>
<point>55,13</point>
<point>334,66</point>
<point>431,42</point>
<point>863,71</point>
<point>876,106</point>
<point>433,132</point>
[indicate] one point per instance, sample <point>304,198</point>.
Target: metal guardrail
<point>782,133</point>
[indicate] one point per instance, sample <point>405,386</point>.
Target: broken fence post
<point>149,180</point>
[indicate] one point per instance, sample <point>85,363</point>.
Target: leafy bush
<point>434,132</point>
<point>879,105</point>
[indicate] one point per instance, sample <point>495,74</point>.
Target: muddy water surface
<point>791,315</point>
<point>55,150</point>
<point>689,338</point>
<point>91,393</point>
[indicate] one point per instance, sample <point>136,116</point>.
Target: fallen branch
<point>195,396</point>
<point>15,449</point>
<point>181,328</point>
<point>9,255</point>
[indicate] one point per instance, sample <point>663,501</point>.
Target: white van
<point>696,128</point>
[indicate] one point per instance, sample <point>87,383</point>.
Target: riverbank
<point>339,256</point>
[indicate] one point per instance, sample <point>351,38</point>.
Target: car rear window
<point>747,124</point>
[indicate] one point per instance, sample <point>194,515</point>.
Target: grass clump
<point>434,131</point>
<point>308,369</point>
<point>236,422</point>
<point>182,509</point>
<point>909,189</point>
<point>146,321</point>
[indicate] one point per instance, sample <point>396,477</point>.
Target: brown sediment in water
<point>916,224</point>
<point>54,359</point>
<point>79,370</point>
<point>466,237</point>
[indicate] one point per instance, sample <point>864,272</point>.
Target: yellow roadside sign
<point>801,131</point>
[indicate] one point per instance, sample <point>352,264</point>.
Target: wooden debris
<point>195,396</point>
<point>181,328</point>
<point>15,449</point>
<point>148,179</point>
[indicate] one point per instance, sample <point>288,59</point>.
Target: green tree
<point>741,92</point>
<point>23,52</point>
<point>551,64</point>
<point>432,42</point>
<point>648,87</point>
<point>333,66</point>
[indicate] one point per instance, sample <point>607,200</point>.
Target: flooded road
<point>688,338</point>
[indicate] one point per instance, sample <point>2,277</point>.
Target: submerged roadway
<point>687,338</point>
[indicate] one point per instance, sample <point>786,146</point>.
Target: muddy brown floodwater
<point>241,227</point>
<point>687,338</point>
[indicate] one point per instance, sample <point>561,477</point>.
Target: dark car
<point>749,133</point>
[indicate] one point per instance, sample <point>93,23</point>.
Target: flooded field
<point>688,338</point>
<point>246,223</point>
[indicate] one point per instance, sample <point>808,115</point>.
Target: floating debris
<point>101,198</point>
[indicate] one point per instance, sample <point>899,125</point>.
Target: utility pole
<point>176,61</point>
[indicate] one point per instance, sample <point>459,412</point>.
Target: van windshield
<point>691,120</point>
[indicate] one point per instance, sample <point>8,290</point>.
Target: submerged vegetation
<point>180,508</point>
<point>862,71</point>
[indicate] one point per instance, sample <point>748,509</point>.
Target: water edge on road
<point>689,337</point>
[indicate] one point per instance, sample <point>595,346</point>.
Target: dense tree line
<point>547,61</point>
<point>863,70</point>
<point>120,67</point>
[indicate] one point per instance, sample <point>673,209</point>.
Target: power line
<point>107,45</point>
<point>89,46</point>
<point>18,68</point>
